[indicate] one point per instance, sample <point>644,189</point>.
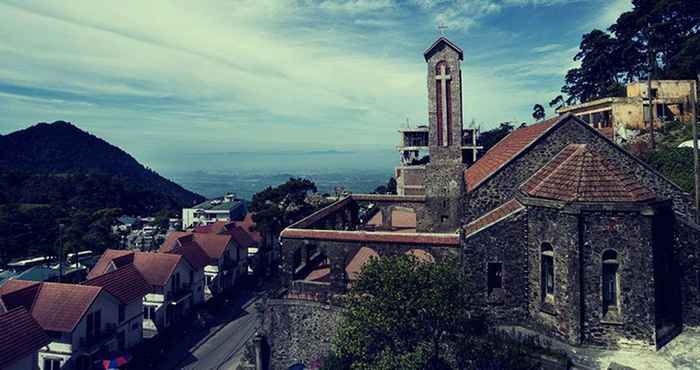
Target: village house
<point>21,338</point>
<point>80,320</point>
<point>614,116</point>
<point>175,286</point>
<point>227,208</point>
<point>130,288</point>
<point>222,257</point>
<point>559,230</point>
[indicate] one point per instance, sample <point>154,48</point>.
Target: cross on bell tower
<point>444,100</point>
<point>444,174</point>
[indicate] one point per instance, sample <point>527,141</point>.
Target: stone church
<point>560,230</point>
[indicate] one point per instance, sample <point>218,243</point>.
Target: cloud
<point>257,74</point>
<point>546,48</point>
<point>607,14</point>
<point>355,6</point>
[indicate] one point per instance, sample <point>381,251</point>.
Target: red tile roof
<point>103,263</point>
<point>125,283</point>
<point>20,336</point>
<point>579,174</point>
<point>200,249</point>
<point>506,150</point>
<point>59,307</point>
<point>186,245</point>
<point>19,293</point>
<point>248,225</point>
<point>156,268</point>
<point>505,210</point>
<point>55,306</point>
<point>447,240</point>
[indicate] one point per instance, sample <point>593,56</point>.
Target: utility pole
<point>60,253</point>
<point>651,111</point>
<point>693,121</point>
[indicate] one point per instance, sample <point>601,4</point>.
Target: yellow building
<point>615,114</point>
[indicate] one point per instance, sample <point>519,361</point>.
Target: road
<point>224,349</point>
<point>219,347</point>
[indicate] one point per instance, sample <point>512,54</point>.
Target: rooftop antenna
<point>408,123</point>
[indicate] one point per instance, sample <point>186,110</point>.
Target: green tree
<point>557,103</point>
<point>406,313</point>
<point>402,312</point>
<point>600,73</point>
<point>538,112</point>
<point>277,207</point>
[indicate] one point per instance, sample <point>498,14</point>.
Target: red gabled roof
<point>19,293</point>
<point>200,249</point>
<point>20,336</point>
<point>55,306</point>
<point>125,283</point>
<point>156,268</point>
<point>579,174</point>
<point>248,225</point>
<point>60,307</point>
<point>104,261</point>
<point>492,217</point>
<point>506,150</point>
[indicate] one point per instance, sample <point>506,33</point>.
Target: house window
<point>547,271</point>
<point>122,314</point>
<point>52,364</point>
<point>175,283</point>
<point>610,280</point>
<point>495,276</point>
<point>149,313</point>
<point>94,324</point>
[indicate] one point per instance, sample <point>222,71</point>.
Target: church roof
<point>493,217</point>
<point>443,40</point>
<point>506,150</point>
<point>580,174</point>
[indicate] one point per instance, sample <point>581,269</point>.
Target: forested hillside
<point>56,173</point>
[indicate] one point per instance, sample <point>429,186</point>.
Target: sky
<point>167,79</point>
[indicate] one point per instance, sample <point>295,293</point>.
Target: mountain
<point>60,163</point>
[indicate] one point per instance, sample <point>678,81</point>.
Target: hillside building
<point>227,208</point>
<point>559,230</point>
<point>614,115</point>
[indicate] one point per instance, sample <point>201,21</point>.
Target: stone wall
<point>340,253</point>
<point>558,316</point>
<point>444,192</point>
<point>630,236</point>
<point>505,243</point>
<point>298,331</point>
<point>504,185</point>
<point>687,237</point>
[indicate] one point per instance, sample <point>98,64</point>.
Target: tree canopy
<point>277,207</point>
<point>668,30</point>
<point>406,313</point>
<point>538,112</point>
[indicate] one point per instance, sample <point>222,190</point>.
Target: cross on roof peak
<point>441,28</point>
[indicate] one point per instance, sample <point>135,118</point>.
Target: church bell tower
<point>444,176</point>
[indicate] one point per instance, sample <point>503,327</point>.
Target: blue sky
<point>162,79</point>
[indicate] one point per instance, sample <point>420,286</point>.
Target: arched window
<point>610,280</point>
<point>547,271</point>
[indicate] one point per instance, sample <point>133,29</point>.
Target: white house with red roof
<point>80,320</point>
<point>21,338</point>
<point>175,285</point>
<point>130,288</point>
<point>217,252</point>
